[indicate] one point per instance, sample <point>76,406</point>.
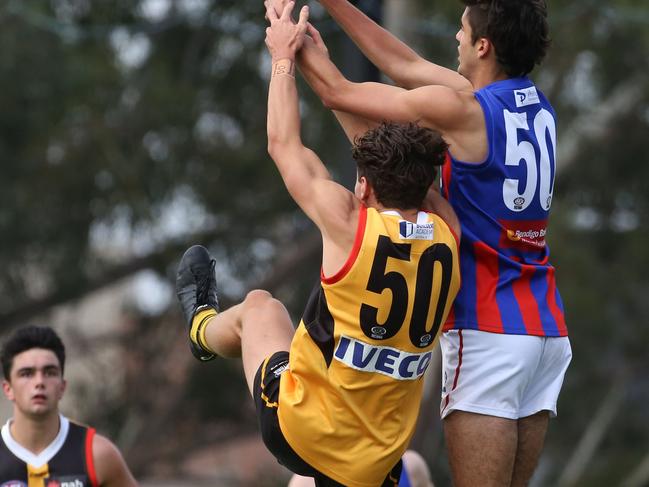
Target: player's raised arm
<point>297,164</point>
<point>392,56</point>
<point>437,107</point>
<point>304,174</point>
<point>352,125</point>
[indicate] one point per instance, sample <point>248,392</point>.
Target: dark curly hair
<point>518,30</point>
<point>400,161</point>
<point>27,338</point>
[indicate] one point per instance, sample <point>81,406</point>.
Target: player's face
<point>465,47</point>
<point>36,382</point>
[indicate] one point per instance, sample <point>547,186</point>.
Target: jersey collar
<point>43,457</point>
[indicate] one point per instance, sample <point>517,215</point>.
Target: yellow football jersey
<point>350,399</point>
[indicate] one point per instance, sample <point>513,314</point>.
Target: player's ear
<point>6,388</point>
<point>364,188</point>
<point>484,46</point>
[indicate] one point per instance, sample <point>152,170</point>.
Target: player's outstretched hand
<point>283,37</point>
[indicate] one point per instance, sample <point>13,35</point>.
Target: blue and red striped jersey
<point>503,203</point>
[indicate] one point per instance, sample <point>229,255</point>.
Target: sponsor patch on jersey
<point>415,231</point>
<point>13,483</point>
<point>388,361</point>
<point>67,481</point>
<point>525,97</point>
<point>523,234</point>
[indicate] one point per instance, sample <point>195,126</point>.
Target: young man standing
<point>342,405</point>
<point>40,447</point>
<point>505,347</point>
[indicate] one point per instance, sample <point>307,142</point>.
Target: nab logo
<point>525,97</point>
<point>65,482</point>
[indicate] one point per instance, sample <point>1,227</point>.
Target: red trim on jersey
<point>446,175</point>
<point>90,461</point>
<point>554,307</point>
<point>353,254</point>
<point>486,282</point>
<point>457,369</point>
<point>526,301</point>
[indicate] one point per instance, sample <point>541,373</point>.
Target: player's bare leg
<point>492,464</point>
<point>531,436</point>
<point>253,329</point>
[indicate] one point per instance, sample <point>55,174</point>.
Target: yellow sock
<point>199,325</point>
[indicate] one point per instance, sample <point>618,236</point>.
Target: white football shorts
<point>509,376</point>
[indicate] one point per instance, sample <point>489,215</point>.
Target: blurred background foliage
<point>131,129</point>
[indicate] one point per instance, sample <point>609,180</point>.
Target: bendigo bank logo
<point>524,235</point>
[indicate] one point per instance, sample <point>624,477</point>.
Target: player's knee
<point>259,299</point>
<point>261,309</point>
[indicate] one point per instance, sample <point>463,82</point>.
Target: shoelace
<point>202,283</point>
